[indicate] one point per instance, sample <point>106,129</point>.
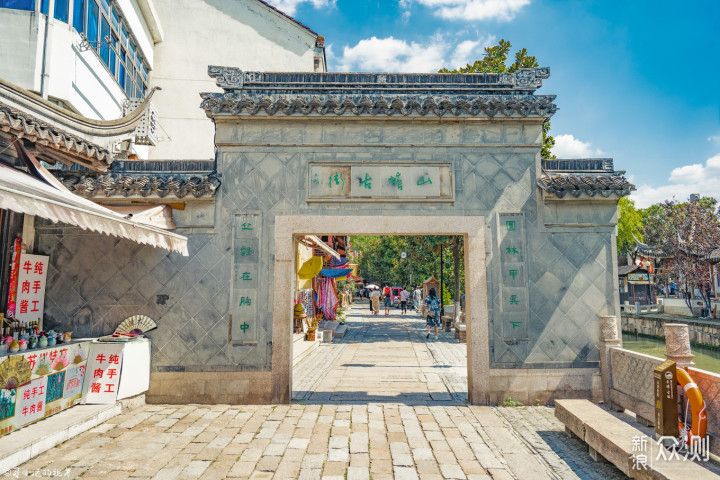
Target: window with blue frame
<point>18,4</point>
<point>93,23</point>
<point>105,43</point>
<point>79,15</point>
<point>107,32</point>
<point>44,6</point>
<point>61,10</point>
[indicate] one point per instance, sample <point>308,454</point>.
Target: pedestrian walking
<point>375,301</point>
<point>403,301</point>
<point>388,298</point>
<point>417,298</point>
<point>433,318</point>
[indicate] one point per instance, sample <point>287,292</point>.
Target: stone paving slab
<point>382,403</point>
<point>377,440</point>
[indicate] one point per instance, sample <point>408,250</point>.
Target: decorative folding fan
<point>14,372</point>
<point>137,324</point>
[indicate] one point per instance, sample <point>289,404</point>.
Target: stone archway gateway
<point>364,153</point>
<point>472,228</point>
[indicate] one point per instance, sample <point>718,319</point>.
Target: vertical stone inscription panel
<point>513,277</point>
<point>245,293</point>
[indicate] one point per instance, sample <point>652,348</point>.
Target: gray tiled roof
<point>577,185</point>
<point>147,186</point>
<point>27,126</point>
<point>379,94</point>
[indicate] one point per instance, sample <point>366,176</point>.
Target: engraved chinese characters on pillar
<point>246,273</point>
<point>513,276</point>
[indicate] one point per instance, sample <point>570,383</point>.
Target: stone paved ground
<point>411,423</point>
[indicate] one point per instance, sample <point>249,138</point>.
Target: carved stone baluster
<point>609,338</point>
<point>677,345</point>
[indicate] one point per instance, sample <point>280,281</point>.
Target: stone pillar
<point>677,345</point>
<point>609,338</point>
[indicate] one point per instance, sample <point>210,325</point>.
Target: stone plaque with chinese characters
<point>382,182</point>
<point>513,277</point>
<point>245,294</point>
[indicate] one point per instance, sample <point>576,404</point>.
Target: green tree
<point>630,222</point>
<point>380,261</point>
<point>686,232</point>
<point>495,61</point>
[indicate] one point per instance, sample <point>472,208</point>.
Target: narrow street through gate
<point>384,359</point>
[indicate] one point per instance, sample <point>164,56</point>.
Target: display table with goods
<point>51,372</point>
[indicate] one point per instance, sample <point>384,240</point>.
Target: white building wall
<point>198,33</point>
<point>21,34</point>
<point>78,78</point>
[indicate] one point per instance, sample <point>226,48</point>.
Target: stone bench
<point>613,439</point>
<point>461,332</point>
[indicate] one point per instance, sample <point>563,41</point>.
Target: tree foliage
<point>686,232</point>
<point>495,61</point>
<point>630,221</point>
<point>380,260</point>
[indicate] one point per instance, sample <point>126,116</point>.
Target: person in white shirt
<point>403,301</point>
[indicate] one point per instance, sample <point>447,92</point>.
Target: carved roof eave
<point>234,105</point>
<point>24,114</point>
<point>525,80</point>
<point>584,187</point>
<point>155,188</point>
<point>651,251</point>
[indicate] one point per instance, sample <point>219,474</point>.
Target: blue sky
<point>636,80</point>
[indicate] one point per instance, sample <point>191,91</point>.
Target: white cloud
<point>392,54</point>
<point>694,178</point>
<point>290,6</point>
<point>567,146</point>
<point>473,9</point>
<point>714,138</point>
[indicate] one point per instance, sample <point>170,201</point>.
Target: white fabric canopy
<point>322,246</point>
<point>23,193</point>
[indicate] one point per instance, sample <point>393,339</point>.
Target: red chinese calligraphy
<point>110,387</point>
<point>31,361</point>
<point>39,268</point>
<point>52,354</point>
<point>37,285</point>
<point>98,373</point>
<point>35,307</point>
<point>100,358</point>
<point>111,373</point>
<point>25,287</point>
<point>27,266</point>
<point>26,395</point>
<point>114,359</point>
<point>95,388</point>
<point>23,306</point>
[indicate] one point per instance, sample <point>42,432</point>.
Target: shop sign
<point>363,182</point>
<point>31,287</point>
<point>30,402</point>
<point>103,373</point>
<point>638,277</point>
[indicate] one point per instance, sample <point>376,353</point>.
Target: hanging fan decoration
<point>137,324</point>
<point>14,372</point>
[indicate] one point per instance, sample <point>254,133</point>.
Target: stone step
<point>341,330</point>
<point>28,442</point>
<point>619,443</point>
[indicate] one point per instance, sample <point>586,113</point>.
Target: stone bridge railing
<point>639,309</point>
<point>627,376</point>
